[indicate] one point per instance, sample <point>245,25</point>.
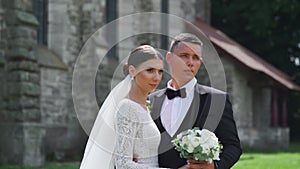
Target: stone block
<point>20,54</point>
<point>2,43</point>
<point>270,139</point>
<point>24,5</point>
<point>22,65</point>
<point>57,144</point>
<point>22,76</point>
<point>23,88</point>
<point>23,144</point>
<point>22,115</point>
<point>11,143</point>
<point>3,35</point>
<point>17,32</point>
<point>2,59</point>
<point>34,148</point>
<point>21,18</point>
<point>21,42</point>
<point>23,102</point>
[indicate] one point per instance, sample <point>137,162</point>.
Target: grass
<point>271,160</point>
<point>50,165</point>
<point>289,159</point>
<point>268,161</point>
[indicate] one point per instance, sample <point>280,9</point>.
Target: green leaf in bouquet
<point>196,128</point>
<point>185,146</point>
<point>200,156</point>
<point>210,155</point>
<point>198,149</point>
<point>181,149</point>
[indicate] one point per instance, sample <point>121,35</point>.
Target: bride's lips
<point>154,85</point>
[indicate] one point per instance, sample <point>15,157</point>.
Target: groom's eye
<point>150,69</point>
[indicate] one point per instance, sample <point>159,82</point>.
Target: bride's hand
<point>183,167</point>
<point>135,158</point>
<point>194,164</point>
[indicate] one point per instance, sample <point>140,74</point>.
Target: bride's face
<point>148,75</point>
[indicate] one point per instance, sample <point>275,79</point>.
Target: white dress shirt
<point>173,111</point>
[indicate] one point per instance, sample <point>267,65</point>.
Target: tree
<point>269,28</point>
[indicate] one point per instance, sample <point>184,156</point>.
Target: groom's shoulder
<point>156,93</point>
<point>202,89</point>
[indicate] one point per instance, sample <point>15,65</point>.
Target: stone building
<point>41,40</point>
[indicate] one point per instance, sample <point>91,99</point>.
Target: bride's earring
<point>131,77</point>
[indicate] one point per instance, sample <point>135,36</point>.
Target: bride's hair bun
<point>125,69</point>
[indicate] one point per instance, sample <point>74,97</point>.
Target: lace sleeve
<point>127,126</point>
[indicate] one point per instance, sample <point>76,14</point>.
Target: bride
<point>124,134</point>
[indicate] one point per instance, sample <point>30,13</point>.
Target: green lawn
<point>249,160</point>
<point>51,165</point>
<point>289,159</point>
<point>268,161</point>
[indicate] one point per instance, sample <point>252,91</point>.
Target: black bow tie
<point>171,94</point>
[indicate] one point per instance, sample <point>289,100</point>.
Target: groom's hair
<point>185,37</point>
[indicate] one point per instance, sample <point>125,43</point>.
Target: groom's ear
<point>168,57</point>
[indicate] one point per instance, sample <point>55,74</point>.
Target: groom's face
<point>185,61</point>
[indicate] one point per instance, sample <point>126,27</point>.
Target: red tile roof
<point>245,56</point>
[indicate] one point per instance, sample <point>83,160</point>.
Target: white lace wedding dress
<point>137,136</point>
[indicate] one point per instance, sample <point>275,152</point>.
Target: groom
<point>185,104</point>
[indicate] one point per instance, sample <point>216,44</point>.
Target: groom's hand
<point>194,164</point>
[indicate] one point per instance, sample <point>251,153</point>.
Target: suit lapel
<point>156,109</point>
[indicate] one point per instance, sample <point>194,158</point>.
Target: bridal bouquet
<point>198,144</point>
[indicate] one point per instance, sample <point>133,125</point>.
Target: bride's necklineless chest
<point>143,106</point>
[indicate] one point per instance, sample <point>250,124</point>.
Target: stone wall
<point>237,80</point>
<point>271,139</point>
<point>78,20</point>
<point>262,98</point>
<point>242,92</point>
<point>92,17</point>
<point>22,132</point>
<point>136,24</point>
<point>2,58</point>
<point>64,136</point>
<point>64,33</point>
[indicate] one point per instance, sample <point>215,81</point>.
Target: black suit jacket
<point>210,109</point>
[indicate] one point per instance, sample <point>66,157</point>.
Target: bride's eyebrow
<point>152,68</point>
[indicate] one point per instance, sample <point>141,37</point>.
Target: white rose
<point>179,136</point>
<point>205,148</point>
<point>206,133</point>
<point>216,155</point>
<point>184,141</point>
<point>195,141</point>
<point>190,148</point>
<point>212,142</point>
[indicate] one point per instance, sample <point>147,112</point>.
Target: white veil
<point>100,146</point>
